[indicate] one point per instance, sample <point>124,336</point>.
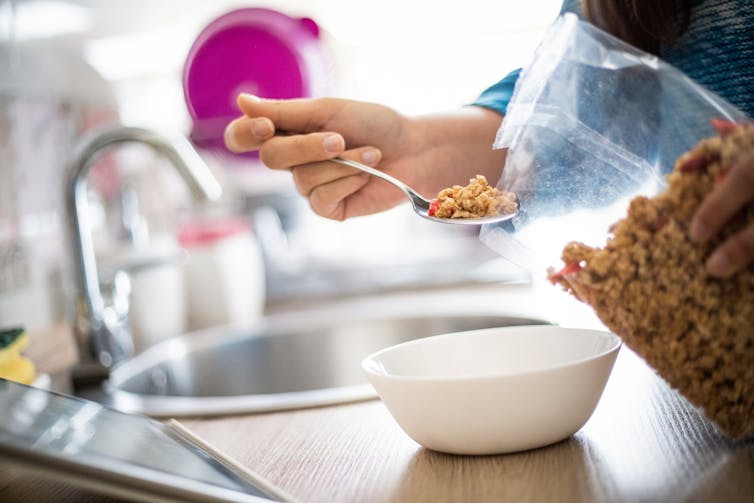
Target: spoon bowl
<point>419,203</point>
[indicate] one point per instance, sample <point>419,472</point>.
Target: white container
<point>495,390</point>
<point>225,279</point>
<point>157,309</point>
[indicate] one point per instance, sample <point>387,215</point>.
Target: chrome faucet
<point>101,329</point>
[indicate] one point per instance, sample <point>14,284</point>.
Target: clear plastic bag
<point>592,123</point>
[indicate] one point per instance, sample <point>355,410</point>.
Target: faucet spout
<point>104,339</point>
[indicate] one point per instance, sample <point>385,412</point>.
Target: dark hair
<point>645,24</point>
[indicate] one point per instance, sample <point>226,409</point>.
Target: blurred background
<point>68,67</point>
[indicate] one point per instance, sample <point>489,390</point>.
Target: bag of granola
<point>592,123</point>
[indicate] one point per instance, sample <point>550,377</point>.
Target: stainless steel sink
<point>294,360</point>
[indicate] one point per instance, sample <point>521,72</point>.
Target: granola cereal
<point>649,285</point>
<point>477,199</point>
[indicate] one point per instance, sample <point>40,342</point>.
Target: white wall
<point>418,56</point>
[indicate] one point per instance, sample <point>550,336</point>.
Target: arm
<point>429,153</point>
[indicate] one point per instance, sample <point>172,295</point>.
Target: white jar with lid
<point>157,309</point>
<point>225,278</point>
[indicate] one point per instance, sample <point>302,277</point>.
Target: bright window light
<point>42,18</point>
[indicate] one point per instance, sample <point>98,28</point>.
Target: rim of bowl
<point>617,343</point>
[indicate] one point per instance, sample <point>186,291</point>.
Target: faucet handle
<point>107,338</point>
<point>116,295</point>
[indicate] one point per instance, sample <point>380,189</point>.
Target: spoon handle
<point>419,203</point>
<point>416,199</point>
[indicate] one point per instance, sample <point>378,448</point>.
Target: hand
<point>729,197</point>
<point>428,154</point>
<point>316,130</point>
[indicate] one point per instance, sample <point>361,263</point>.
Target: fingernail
<point>261,128</point>
<point>230,137</point>
<point>698,231</point>
<point>719,264</point>
<point>250,97</point>
<point>370,157</point>
<point>334,143</point>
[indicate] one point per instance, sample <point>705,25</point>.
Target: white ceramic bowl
<point>495,390</point>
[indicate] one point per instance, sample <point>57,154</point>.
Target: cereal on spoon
<point>476,200</point>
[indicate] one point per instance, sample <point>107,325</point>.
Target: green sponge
<point>8,336</point>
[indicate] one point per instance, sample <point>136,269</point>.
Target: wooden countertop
<point>643,443</point>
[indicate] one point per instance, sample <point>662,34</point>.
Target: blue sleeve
<point>497,96</point>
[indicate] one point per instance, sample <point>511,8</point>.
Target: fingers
<point>284,152</point>
<point>726,199</point>
<point>310,176</point>
<point>298,135</point>
<point>264,118</point>
<point>295,115</point>
<point>246,134</point>
<point>328,185</point>
<point>330,200</point>
<point>734,192</point>
<point>281,152</point>
<point>723,126</point>
<point>733,255</point>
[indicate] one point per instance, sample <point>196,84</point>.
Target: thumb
<point>293,115</point>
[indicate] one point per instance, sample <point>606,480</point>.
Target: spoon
<point>419,203</point>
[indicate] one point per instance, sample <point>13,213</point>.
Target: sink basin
<point>286,361</point>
